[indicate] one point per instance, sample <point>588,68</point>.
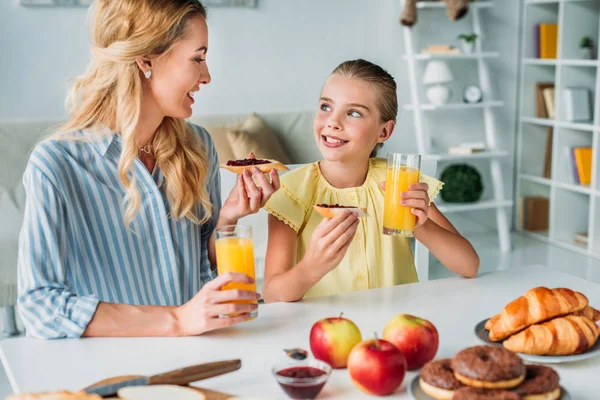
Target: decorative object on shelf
<point>541,108</point>
<point>440,49</point>
<point>467,42</point>
<point>437,73</point>
<point>472,94</point>
<point>462,184</point>
<point>456,10</point>
<point>534,213</point>
<point>466,148</point>
<point>548,40</point>
<point>576,102</point>
<point>586,48</point>
<point>581,238</point>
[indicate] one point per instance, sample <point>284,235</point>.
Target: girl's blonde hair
<point>381,81</point>
<point>109,95</point>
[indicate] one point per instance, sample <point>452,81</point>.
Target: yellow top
<point>373,259</point>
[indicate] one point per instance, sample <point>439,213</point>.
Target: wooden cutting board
<point>210,394</point>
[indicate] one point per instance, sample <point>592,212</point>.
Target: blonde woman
<point>123,199</point>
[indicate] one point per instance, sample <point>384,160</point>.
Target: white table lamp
<point>436,74</point>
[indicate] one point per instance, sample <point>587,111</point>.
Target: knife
<point>182,376</point>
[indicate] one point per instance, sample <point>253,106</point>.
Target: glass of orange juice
<point>235,253</point>
<point>402,171</point>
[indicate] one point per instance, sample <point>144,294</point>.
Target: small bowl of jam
<point>302,379</point>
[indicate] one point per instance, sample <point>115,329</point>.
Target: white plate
<point>414,389</point>
<point>483,335</point>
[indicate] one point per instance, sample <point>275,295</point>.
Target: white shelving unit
<point>486,109</point>
<point>573,207</point>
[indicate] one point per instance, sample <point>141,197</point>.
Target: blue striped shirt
<point>75,250</point>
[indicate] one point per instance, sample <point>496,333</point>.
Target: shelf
<point>533,2</point>
<point>535,179</point>
<point>559,124</point>
<point>480,205</point>
<point>539,61</point>
<point>443,56</point>
<point>477,155</point>
<point>573,187</point>
<point>456,106</point>
<point>538,121</point>
<point>575,125</point>
<point>578,63</point>
<point>442,5</point>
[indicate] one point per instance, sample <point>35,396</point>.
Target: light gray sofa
<point>293,129</point>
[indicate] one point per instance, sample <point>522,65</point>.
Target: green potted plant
<point>467,41</point>
<point>586,47</point>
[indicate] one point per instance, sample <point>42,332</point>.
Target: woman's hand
<point>247,197</point>
<point>201,313</point>
<point>329,242</point>
<point>418,199</point>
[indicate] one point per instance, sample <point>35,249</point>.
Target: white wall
<point>272,58</point>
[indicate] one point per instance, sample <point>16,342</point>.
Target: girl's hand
<point>201,313</point>
<point>416,198</point>
<point>247,197</point>
<point>330,241</point>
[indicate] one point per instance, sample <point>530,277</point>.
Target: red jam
<point>302,390</point>
<point>333,206</point>
<point>246,162</point>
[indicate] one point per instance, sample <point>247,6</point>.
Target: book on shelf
<point>576,102</point>
<point>541,109</point>
<point>549,101</point>
<point>578,164</point>
<point>581,238</point>
<point>582,157</point>
<point>533,213</point>
<point>440,49</point>
<point>547,172</point>
<point>466,148</point>
<point>548,40</point>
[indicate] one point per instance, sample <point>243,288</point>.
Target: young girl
<point>308,255</point>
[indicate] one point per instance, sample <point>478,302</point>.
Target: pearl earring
<point>148,74</point>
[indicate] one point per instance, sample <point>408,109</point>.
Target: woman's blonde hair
<point>381,81</point>
<point>109,95</point>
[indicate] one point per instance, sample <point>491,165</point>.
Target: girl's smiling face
<point>348,124</point>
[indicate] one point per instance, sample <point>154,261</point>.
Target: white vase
<point>467,47</point>
<point>438,95</point>
<point>585,53</point>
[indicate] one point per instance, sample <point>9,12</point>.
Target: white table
<point>453,305</point>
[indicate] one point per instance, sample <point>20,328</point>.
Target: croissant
<point>589,312</point>
<point>536,305</point>
<point>561,336</point>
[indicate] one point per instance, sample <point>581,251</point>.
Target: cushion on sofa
<point>255,136</point>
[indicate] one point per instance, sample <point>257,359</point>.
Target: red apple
<point>416,338</point>
<point>376,367</point>
<point>332,339</point>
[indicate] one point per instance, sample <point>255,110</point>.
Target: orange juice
<point>398,219</point>
<point>236,254</point>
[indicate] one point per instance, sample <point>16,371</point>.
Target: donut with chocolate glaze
<point>470,393</point>
<point>541,383</point>
<point>488,367</point>
<point>437,379</point>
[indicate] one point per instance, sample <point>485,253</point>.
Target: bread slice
<point>160,392</point>
<point>332,211</point>
<point>264,168</point>
<point>60,395</point>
